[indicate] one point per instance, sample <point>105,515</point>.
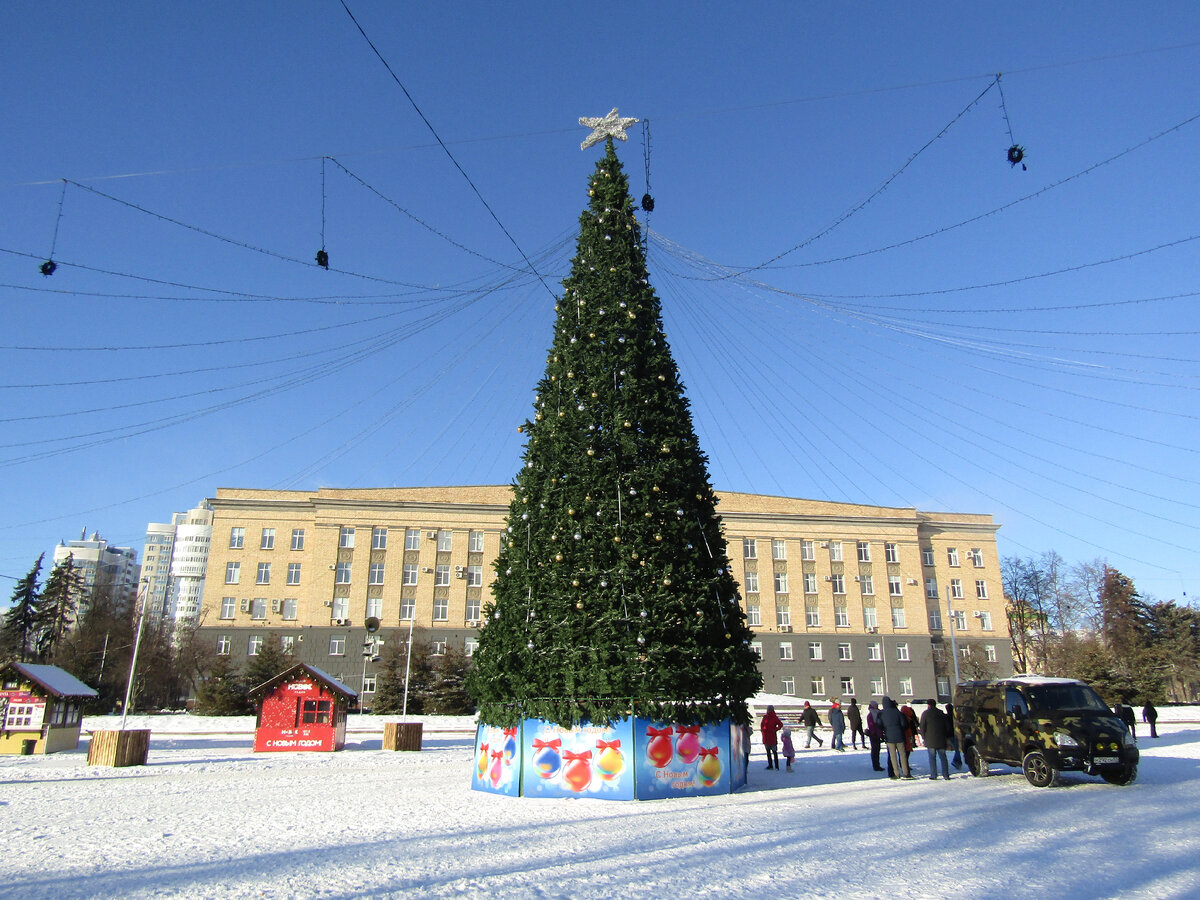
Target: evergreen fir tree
<point>267,663</point>
<point>223,692</point>
<point>56,607</point>
<point>20,622</point>
<point>446,694</point>
<point>613,592</point>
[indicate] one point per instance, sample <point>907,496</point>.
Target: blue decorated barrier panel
<point>584,761</point>
<point>681,760</point>
<point>497,761</point>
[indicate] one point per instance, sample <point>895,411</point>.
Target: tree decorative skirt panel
<point>631,759</point>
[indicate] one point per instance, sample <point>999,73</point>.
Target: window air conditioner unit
<point>426,569</point>
<point>824,545</point>
<point>245,606</point>
<point>341,622</point>
<point>786,629</point>
<point>329,603</point>
<point>276,605</point>
<point>912,581</point>
<point>431,535</point>
<point>829,578</point>
<point>858,578</point>
<point>473,623</point>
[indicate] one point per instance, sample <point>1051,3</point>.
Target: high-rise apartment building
<point>174,565</point>
<point>102,567</point>
<point>844,599</point>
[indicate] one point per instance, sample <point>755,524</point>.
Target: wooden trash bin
<point>119,748</point>
<point>401,735</point>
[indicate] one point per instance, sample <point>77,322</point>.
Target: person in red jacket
<point>770,727</point>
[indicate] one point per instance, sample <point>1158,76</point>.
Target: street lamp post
<point>953,641</point>
<point>887,688</point>
<point>137,643</point>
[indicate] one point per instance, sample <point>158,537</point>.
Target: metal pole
<point>408,660</point>
<point>137,643</point>
<point>953,642</point>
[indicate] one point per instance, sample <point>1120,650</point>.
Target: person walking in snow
<point>874,734</point>
<point>933,733</point>
<point>1126,714</point>
<point>811,720</point>
<point>895,736</point>
<point>789,751</point>
<point>1150,717</point>
<point>770,727</point>
<point>837,721</point>
<point>854,717</point>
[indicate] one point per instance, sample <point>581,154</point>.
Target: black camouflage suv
<point>1043,726</point>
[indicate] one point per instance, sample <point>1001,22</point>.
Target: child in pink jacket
<point>789,752</point>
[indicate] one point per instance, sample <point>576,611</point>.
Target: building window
<point>989,652</point>
<point>835,551</point>
<point>340,608</point>
<point>956,591</point>
<point>437,648</point>
<point>375,573</point>
<point>258,608</point>
<point>877,687</point>
<point>808,551</point>
<point>293,573</point>
<point>470,646</point>
<point>441,576</point>
<point>751,582</point>
<point>895,589</point>
<point>342,573</point>
<point>237,538</point>
<point>472,609</point>
<point>976,557</point>
<point>931,589</point>
<point>868,585</point>
<point>781,583</point>
<point>408,608</point>
<point>337,646</point>
<point>289,608</point>
<point>964,652</point>
<point>985,620</point>
<point>749,548</point>
<point>818,686</point>
<point>474,576</point>
<point>409,575</point>
<point>943,687</point>
<point>228,607</point>
<point>264,574</point>
<point>864,551</point>
<point>815,651</point>
<point>785,650</point>
<point>891,553</point>
<point>753,615</point>
<point>297,538</point>
<point>870,619</point>
<point>783,617</point>
<point>756,649</point>
<point>254,645</point>
<point>847,686</point>
<point>898,617</point>
<point>841,617</point>
<point>375,607</point>
<point>445,540</point>
<point>346,537</point>
<point>267,541</point>
<point>223,645</point>
<point>441,609</point>
<point>368,684</point>
<point>474,541</point>
<point>810,582</point>
<point>839,583</point>
<point>906,689</point>
<point>412,539</point>
<point>952,555</point>
<point>981,589</point>
<point>812,616</point>
<point>960,620</point>
<point>233,572</point>
<point>378,538</point>
<point>902,651</point>
<point>927,556</point>
<point>778,548</point>
<point>935,620</point>
<point>844,652</point>
<point>787,686</point>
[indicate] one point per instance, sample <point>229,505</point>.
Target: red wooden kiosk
<point>40,708</point>
<point>301,708</point>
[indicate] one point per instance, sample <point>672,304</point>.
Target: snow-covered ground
<point>206,817</point>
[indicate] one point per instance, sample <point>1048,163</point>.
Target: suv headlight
<point>1065,740</point>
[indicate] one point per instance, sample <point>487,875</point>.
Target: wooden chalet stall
<point>40,709</point>
<point>301,708</point>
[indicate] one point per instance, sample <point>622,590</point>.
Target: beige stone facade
<point>844,599</point>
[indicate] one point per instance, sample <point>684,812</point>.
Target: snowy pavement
<point>207,817</point>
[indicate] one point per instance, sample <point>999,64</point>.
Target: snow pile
<point>206,817</point>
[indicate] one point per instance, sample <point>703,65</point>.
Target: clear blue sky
<point>947,331</point>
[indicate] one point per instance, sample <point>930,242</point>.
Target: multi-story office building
<point>102,567</point>
<point>174,564</point>
<point>844,599</point>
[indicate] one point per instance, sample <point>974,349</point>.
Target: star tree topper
<point>611,125</point>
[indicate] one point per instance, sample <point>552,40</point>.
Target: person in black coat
<point>854,717</point>
<point>1150,717</point>
<point>895,735</point>
<point>1125,712</point>
<point>933,733</point>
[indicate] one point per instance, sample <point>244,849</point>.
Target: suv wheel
<point>1037,769</point>
<point>1122,777</point>
<point>976,763</point>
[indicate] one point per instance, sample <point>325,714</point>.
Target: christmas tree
<point>613,594</point>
